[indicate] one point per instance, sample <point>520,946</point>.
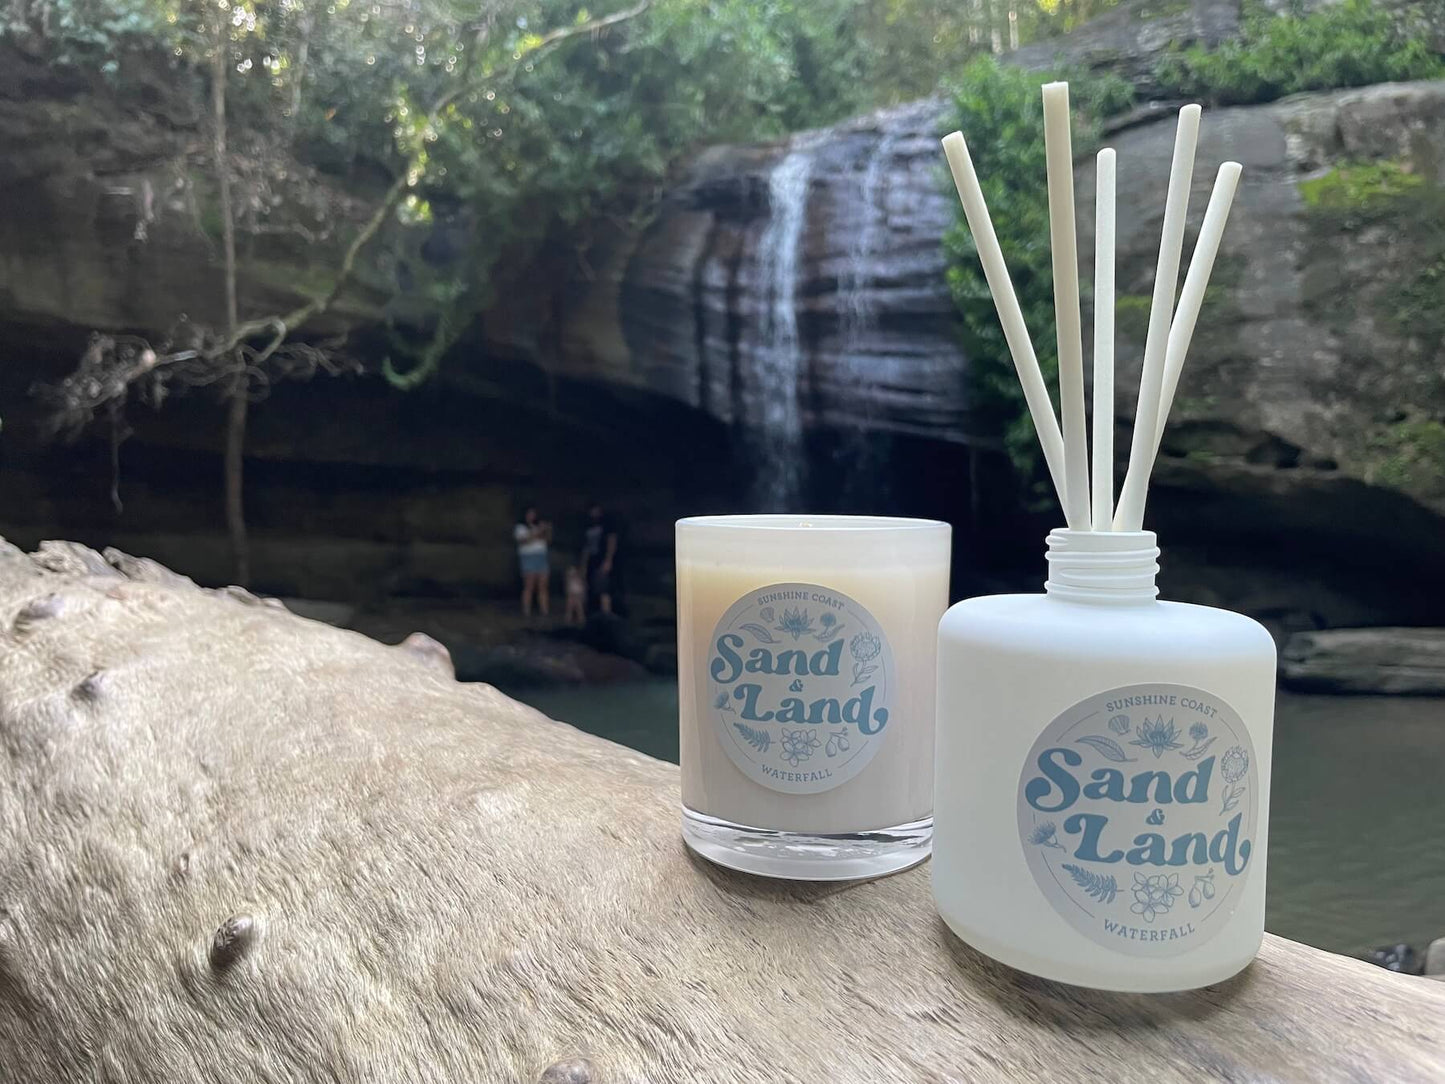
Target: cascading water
<point>861,457</point>
<point>853,296</point>
<point>774,425</point>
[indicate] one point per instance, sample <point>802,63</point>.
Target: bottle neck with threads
<point>1104,568</point>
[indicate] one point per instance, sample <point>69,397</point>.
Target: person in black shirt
<point>599,558</point>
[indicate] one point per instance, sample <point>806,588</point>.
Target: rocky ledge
<point>1384,660</point>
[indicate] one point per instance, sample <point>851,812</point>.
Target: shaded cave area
<point>366,496</point>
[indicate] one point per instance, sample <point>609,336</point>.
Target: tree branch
<point>592,26</point>
<point>195,356</point>
<point>394,195</point>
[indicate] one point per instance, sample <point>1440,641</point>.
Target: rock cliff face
<point>800,284</point>
<point>354,491</point>
<point>1292,324</point>
<point>820,257</point>
<point>1306,374</point>
<point>1307,408</point>
<point>109,220</point>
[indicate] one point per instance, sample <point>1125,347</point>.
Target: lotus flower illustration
<point>1157,736</point>
<point>796,623</point>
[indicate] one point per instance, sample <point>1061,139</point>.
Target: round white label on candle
<point>1137,811</point>
<point>799,681</point>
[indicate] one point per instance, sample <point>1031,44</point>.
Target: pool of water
<point>1357,828</point>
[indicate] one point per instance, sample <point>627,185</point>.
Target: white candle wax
<point>806,677</point>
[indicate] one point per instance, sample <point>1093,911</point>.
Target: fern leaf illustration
<point>758,739</point>
<point>762,635</point>
<point>1099,886</point>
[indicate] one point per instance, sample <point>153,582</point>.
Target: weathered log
<point>237,845</point>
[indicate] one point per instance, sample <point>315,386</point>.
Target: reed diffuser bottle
<point>1103,758</point>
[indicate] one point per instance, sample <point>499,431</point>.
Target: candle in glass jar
<point>807,682</point>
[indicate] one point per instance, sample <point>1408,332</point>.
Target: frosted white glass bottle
<point>1103,765</point>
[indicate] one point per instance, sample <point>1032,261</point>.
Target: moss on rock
<point>1409,455</point>
<point>1360,186</point>
<point>1378,253</point>
<point>1131,316</point>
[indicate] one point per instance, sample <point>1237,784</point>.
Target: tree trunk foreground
<point>236,845</point>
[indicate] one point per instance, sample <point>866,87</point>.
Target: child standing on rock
<point>576,613</point>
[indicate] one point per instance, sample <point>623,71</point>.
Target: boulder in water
<point>1402,958</point>
<point>1383,660</point>
<point>1435,958</point>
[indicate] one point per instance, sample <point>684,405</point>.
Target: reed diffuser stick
<point>1036,393</point>
<point>1191,300</point>
<point>1191,297</point>
<point>1104,209</point>
<point>1063,238</point>
<point>1161,312</point>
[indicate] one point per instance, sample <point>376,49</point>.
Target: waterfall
<point>861,459</point>
<point>774,429</point>
<point>854,299</point>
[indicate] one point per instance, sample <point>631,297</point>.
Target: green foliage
<point>1419,310</point>
<point>1163,9</point>
<point>539,134</point>
<point>1353,43</point>
<point>1360,186</point>
<point>1410,455</point>
<point>1415,303</point>
<point>1052,18</point>
<point>1348,44</point>
<point>1000,112</point>
<point>1405,216</point>
<point>1408,214</point>
<point>82,31</point>
<point>1131,315</point>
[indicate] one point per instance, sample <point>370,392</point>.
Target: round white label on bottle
<point>799,681</point>
<point>1137,811</point>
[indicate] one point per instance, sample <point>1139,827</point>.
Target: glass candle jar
<point>806,679</point>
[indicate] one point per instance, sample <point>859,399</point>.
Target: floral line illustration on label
<point>1137,814</point>
<point>799,683</point>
